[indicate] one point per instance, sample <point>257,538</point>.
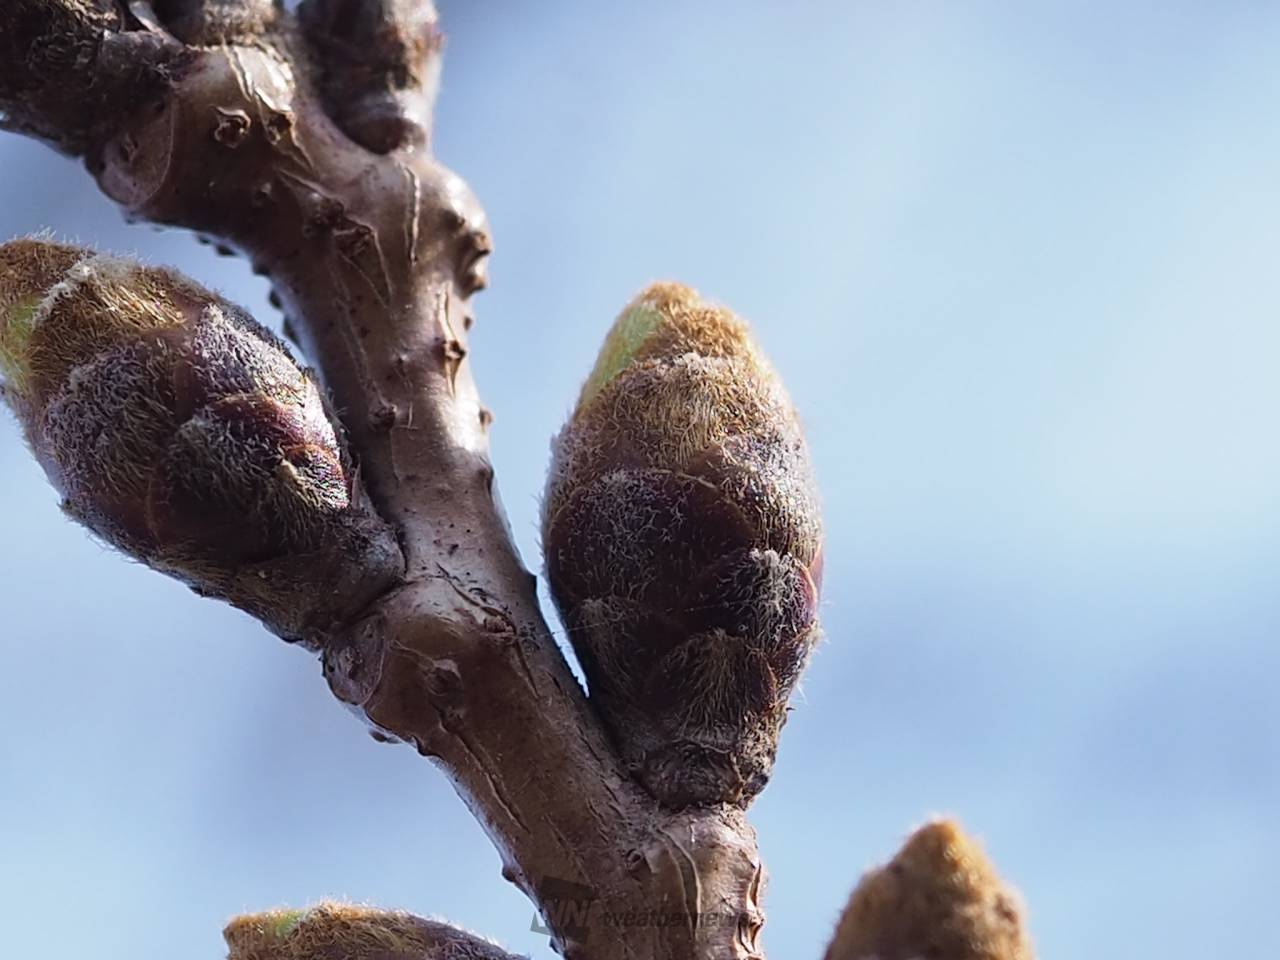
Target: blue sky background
<point>1018,266</point>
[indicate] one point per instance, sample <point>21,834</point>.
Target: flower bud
<point>179,430</point>
<point>683,547</point>
<point>939,897</point>
<point>345,931</point>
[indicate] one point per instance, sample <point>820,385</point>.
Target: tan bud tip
<point>939,897</point>
<point>668,320</point>
<point>350,932</point>
<point>32,265</point>
<point>28,270</point>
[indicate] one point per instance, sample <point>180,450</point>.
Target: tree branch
<point>69,69</point>
<point>374,255</point>
<point>208,22</point>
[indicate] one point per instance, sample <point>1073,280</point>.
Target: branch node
<point>379,67</point>
<point>211,22</point>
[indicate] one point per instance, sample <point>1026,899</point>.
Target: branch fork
<point>302,142</point>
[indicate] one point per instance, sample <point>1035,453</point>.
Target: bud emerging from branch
<point>348,932</point>
<point>683,543</point>
<point>939,897</point>
<point>380,66</point>
<point>179,430</point>
<point>218,21</point>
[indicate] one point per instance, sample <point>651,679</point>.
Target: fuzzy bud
<point>179,430</point>
<point>344,931</point>
<point>939,897</point>
<point>683,547</point>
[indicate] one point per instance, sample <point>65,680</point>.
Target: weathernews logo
<point>573,909</point>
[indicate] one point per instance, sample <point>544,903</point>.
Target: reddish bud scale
<point>182,432</point>
<point>682,543</point>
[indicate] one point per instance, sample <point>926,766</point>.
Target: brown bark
<point>306,151</point>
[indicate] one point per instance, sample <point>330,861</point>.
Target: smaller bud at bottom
<point>939,897</point>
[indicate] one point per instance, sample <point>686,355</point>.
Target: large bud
<point>683,546</point>
<point>179,430</point>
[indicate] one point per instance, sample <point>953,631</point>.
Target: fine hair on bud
<point>939,897</point>
<point>347,931</point>
<point>182,432</point>
<point>683,547</point>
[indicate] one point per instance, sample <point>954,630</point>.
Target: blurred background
<point>1017,264</point>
